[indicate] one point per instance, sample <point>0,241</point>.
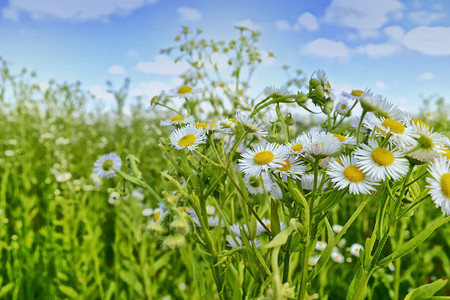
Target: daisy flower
<point>105,165</point>
<point>276,192</point>
<point>256,185</point>
<point>342,107</point>
<point>228,123</point>
<point>274,92</point>
<point>187,137</point>
<point>260,229</point>
<point>158,213</point>
<point>429,143</point>
<point>237,242</point>
<point>439,183</point>
<point>380,163</point>
<point>337,257</point>
<point>321,245</point>
<point>154,101</point>
<point>212,127</point>
<point>345,139</point>
<point>312,261</point>
<point>446,149</point>
<point>355,249</point>
<point>147,212</point>
<point>323,79</point>
<point>252,126</point>
<point>337,228</point>
<point>300,144</point>
<point>391,266</point>
<point>290,168</point>
<point>177,120</point>
<point>63,177</point>
<point>236,229</point>
<point>402,135</point>
<point>307,182</point>
<point>212,221</point>
<point>349,175</point>
<point>323,144</point>
<point>353,95</point>
<point>262,158</point>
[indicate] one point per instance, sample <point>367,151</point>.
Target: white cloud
<point>116,70</point>
<point>363,16</point>
<point>162,65</point>
<point>428,40</point>
<point>394,32</point>
<point>247,23</point>
<point>283,25</point>
<point>80,10</point>
<point>403,100</point>
<point>132,53</point>
<point>188,14</point>
<point>425,17</point>
<point>328,49</point>
<point>379,50</point>
<point>99,93</point>
<point>149,89</point>
<point>381,85</point>
<point>425,76</point>
<point>267,58</point>
<point>308,21</point>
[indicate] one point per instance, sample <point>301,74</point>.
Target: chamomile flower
<point>158,213</point>
<point>391,266</point>
<point>355,249</point>
<point>345,139</point>
<point>321,245</point>
<point>183,91</point>
<point>386,109</point>
<point>236,229</point>
<point>323,144</point>
<point>337,257</point>
<point>402,135</point>
<point>237,242</point>
<point>292,167</point>
<point>323,79</point>
<point>154,100</point>
<point>147,212</point>
<point>276,192</point>
<point>177,120</point>
<point>337,228</point>
<point>257,184</point>
<point>307,182</point>
<point>212,127</point>
<point>381,163</point>
<point>353,95</point>
<point>429,143</point>
<point>439,183</point>
<point>212,221</point>
<point>228,123</point>
<point>312,261</point>
<point>446,150</point>
<point>262,158</point>
<point>342,107</point>
<point>274,92</point>
<point>252,126</point>
<point>63,177</point>
<point>348,174</point>
<point>187,137</point>
<point>299,145</point>
<point>104,167</point>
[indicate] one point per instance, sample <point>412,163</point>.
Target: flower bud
<point>313,83</point>
<point>289,120</point>
<point>328,106</point>
<point>156,229</point>
<point>301,98</point>
<point>180,225</point>
<point>174,241</point>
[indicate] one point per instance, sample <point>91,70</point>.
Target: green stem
<point>364,112</point>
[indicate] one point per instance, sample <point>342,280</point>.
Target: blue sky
<point>400,49</point>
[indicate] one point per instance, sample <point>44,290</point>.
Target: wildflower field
<point>205,192</point>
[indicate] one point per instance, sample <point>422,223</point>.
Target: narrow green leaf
<point>69,292</point>
<point>6,289</point>
<point>326,253</point>
<point>280,239</point>
<point>426,291</point>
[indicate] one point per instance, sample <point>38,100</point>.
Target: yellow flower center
<point>446,153</point>
<point>445,185</point>
<point>382,156</point>
<point>156,216</point>
<point>419,122</point>
<point>341,138</point>
<point>328,85</point>
<point>153,99</point>
<point>177,118</point>
<point>286,166</point>
<point>187,140</point>
<point>344,106</point>
<point>184,89</point>
<point>425,142</point>
<point>394,126</point>
<point>357,93</point>
<point>297,147</point>
<point>107,165</point>
<point>263,157</point>
<point>354,174</point>
<point>234,120</point>
<point>269,226</point>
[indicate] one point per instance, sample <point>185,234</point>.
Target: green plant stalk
<point>285,127</point>
<point>398,263</point>
<point>364,112</point>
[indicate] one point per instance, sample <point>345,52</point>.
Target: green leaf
<point>6,289</point>
<point>426,291</point>
<point>280,239</point>
<point>69,292</point>
<point>326,253</point>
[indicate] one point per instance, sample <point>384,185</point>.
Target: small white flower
<point>337,257</point>
<point>61,141</point>
<point>439,183</point>
<point>312,261</point>
<point>292,167</point>
<point>342,107</point>
<point>187,137</point>
<point>104,167</point>
<point>391,266</point>
<point>238,243</point>
<point>300,145</point>
<point>323,144</point>
<point>276,92</point>
<point>353,95</point>
<point>252,126</point>
<point>262,158</point>
<point>430,143</point>
<point>177,120</point>
<point>307,182</point>
<point>9,153</point>
<point>257,185</point>
<point>63,177</point>
<point>236,229</point>
<point>355,249</point>
<point>321,245</point>
<point>138,194</point>
<point>147,212</point>
<point>337,228</point>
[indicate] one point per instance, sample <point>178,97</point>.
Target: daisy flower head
<point>154,100</point>
<point>355,249</point>
<point>63,177</point>
<point>177,120</point>
<point>252,126</point>
<point>236,229</point>
<point>258,185</point>
<point>212,127</point>
<point>262,158</point>
<point>104,167</point>
<point>402,135</point>
<point>323,144</point>
<point>187,137</point>
<point>292,167</point>
<point>323,79</point>
<point>386,109</point>
<point>312,261</point>
<point>349,175</point>
<point>345,139</point>
<point>274,92</point>
<point>429,144</point>
<point>183,91</point>
<point>446,149</point>
<point>237,242</point>
<point>342,107</point>
<point>229,123</point>
<point>321,245</point>
<point>307,182</point>
<point>337,228</point>
<point>337,257</point>
<point>300,145</point>
<point>380,163</point>
<point>353,95</point>
<point>439,183</point>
